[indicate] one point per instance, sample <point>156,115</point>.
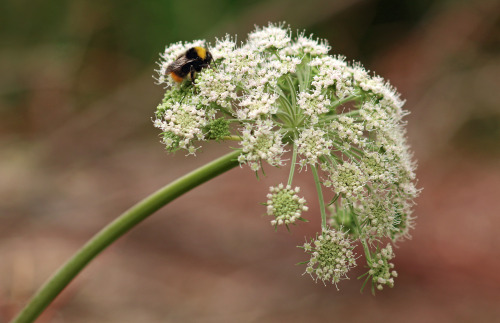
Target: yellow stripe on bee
<point>202,52</point>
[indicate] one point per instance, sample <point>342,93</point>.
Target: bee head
<point>200,53</point>
<point>208,58</point>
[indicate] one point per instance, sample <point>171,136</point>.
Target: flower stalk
<point>121,225</point>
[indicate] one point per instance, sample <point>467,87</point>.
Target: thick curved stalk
<point>55,284</point>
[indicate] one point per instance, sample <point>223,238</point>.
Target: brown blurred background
<point>77,147</point>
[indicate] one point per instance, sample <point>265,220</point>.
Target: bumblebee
<point>187,64</point>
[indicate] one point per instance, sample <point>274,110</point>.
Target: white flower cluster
<point>285,205</point>
<point>276,93</point>
<point>381,269</point>
<point>312,144</point>
<point>313,104</point>
<point>260,142</point>
<point>331,256</point>
<point>378,219</point>
<point>258,104</point>
<point>306,46</point>
<point>270,37</point>
<point>348,131</point>
<point>184,122</point>
<point>347,179</point>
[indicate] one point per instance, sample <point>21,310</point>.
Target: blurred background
<point>77,148</point>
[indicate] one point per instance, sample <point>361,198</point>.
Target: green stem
<point>292,164</point>
<point>344,100</point>
<point>304,78</point>
<point>292,91</point>
<point>287,106</point>
<point>234,138</point>
<point>130,218</point>
<point>363,240</point>
<point>336,116</point>
<point>320,197</point>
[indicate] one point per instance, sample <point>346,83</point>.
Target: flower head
<point>269,37</point>
<point>312,144</point>
<point>332,256</point>
<point>260,142</point>
<point>285,205</point>
<point>381,269</point>
<point>278,93</point>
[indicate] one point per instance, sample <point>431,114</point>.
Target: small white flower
<point>261,142</point>
<point>313,104</point>
<point>378,219</point>
<point>223,47</point>
<point>312,144</point>
<point>331,257</point>
<point>285,205</point>
<point>283,64</point>
<point>216,86</point>
<point>348,131</point>
<point>333,72</point>
<point>378,168</point>
<point>381,268</point>
<point>307,45</point>
<point>257,104</point>
<point>184,121</point>
<point>347,178</point>
<point>269,37</point>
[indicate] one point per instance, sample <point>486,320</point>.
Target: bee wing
<point>177,64</point>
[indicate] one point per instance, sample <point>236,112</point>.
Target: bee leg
<point>192,74</point>
<point>182,99</point>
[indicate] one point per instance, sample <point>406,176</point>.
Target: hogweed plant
<point>276,93</point>
<point>279,93</point>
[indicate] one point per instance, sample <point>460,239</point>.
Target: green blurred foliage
<point>136,28</point>
<point>92,47</point>
<point>141,29</point>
